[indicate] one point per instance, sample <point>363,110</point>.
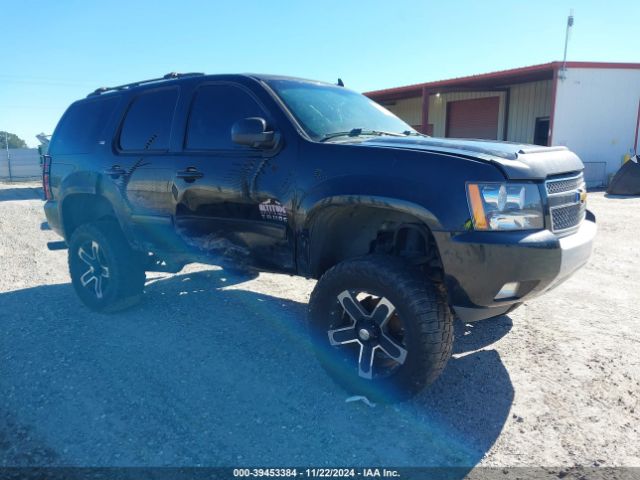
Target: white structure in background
<point>592,108</point>
<point>22,163</point>
<point>597,115</point>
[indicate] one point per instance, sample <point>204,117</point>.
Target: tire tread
<point>428,303</point>
<point>129,272</point>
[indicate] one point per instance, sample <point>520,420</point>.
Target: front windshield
<point>326,110</point>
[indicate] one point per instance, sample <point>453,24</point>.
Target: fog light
<point>508,290</point>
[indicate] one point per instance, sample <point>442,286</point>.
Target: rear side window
<point>82,124</point>
<point>147,125</point>
<point>214,110</point>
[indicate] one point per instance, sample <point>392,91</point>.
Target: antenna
<point>340,83</point>
<point>563,70</point>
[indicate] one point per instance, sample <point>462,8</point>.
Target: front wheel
<point>105,272</point>
<point>380,328</point>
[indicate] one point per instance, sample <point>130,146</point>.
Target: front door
<point>233,203</point>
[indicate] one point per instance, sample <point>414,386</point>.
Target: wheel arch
<point>343,227</point>
<point>87,196</point>
<point>80,207</point>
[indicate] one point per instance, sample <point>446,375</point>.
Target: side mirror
<point>253,132</point>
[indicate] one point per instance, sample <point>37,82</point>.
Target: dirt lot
<point>214,369</point>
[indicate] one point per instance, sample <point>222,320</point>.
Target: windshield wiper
<point>356,132</point>
<point>417,134</point>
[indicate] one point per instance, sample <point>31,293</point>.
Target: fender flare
<point>90,183</point>
<point>310,261</point>
<point>376,201</point>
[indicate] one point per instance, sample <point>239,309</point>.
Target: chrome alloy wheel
<point>97,274</point>
<point>377,333</point>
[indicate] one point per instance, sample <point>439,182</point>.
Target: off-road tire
<point>126,276</point>
<point>421,306</point>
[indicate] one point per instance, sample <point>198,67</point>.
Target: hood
<point>517,161</point>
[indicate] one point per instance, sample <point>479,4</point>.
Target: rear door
<point>144,167</point>
<point>233,201</point>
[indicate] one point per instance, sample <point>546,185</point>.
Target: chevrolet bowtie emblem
<point>583,196</point>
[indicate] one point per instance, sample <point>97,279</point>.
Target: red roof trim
<point>601,65</point>
<point>416,89</point>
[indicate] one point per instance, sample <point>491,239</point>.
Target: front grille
<point>563,218</point>
<point>566,207</point>
<point>561,185</point>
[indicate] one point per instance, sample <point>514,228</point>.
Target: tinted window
<point>81,126</point>
<point>147,125</point>
<point>214,110</point>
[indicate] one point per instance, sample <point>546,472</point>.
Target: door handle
<point>115,171</point>
<point>190,174</point>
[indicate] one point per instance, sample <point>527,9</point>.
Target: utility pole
<point>6,144</point>
<point>563,70</point>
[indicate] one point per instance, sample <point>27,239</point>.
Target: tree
<point>14,141</point>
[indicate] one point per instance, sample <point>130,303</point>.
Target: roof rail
<point>168,76</point>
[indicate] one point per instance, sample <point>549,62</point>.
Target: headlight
<point>505,206</point>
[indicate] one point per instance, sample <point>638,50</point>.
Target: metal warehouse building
<point>592,108</point>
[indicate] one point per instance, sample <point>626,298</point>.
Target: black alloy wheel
<point>105,272</point>
<point>380,327</point>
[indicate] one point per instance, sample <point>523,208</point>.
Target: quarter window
<point>81,126</point>
<point>214,110</point>
<point>147,125</point>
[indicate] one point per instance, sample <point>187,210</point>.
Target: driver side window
<point>214,110</point>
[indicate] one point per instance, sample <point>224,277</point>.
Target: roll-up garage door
<point>477,118</point>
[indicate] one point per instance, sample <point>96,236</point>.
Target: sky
<point>55,52</point>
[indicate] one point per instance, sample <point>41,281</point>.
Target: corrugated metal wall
<point>527,102</point>
<point>408,109</point>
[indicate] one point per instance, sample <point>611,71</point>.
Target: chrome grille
<point>565,206</point>
<point>563,218</point>
<point>561,185</point>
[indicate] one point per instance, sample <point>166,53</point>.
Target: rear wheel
<point>380,328</point>
<point>105,272</point>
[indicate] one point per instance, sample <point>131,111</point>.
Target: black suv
<point>280,174</point>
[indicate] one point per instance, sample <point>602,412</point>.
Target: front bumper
<point>478,265</point>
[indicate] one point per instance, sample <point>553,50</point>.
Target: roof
<point>128,86</point>
<point>274,77</point>
<point>496,79</point>
<point>176,76</point>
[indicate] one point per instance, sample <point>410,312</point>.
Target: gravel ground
<point>214,369</point>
